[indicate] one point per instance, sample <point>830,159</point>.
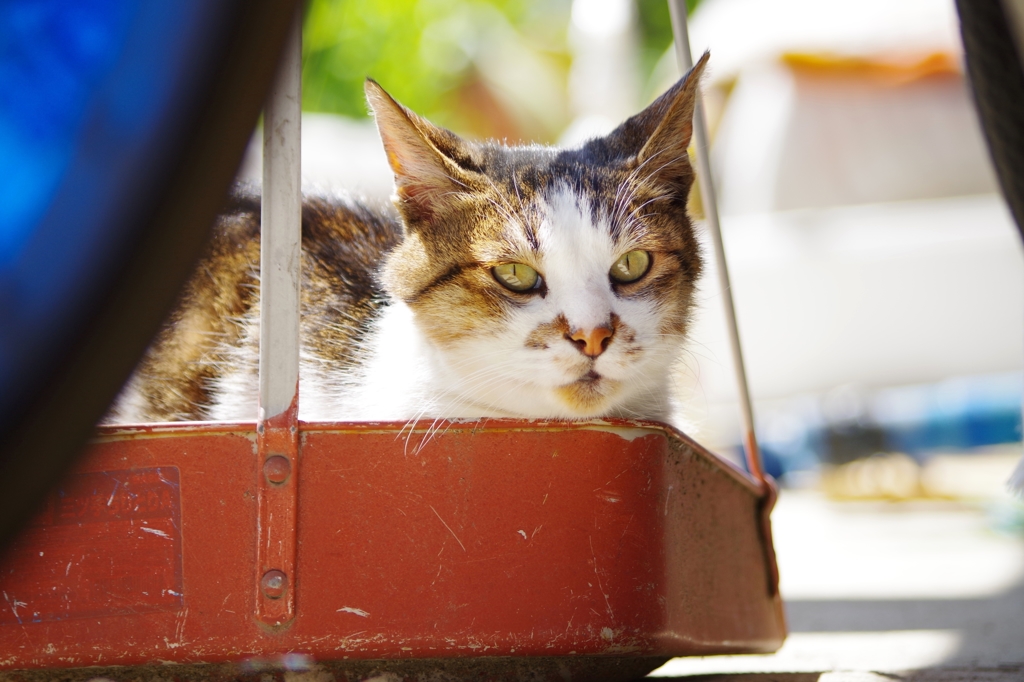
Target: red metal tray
<point>607,539</point>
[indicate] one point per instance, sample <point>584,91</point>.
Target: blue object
<point>959,414</point>
<point>91,100</point>
<point>52,55</point>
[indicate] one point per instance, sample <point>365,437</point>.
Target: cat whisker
<point>427,437</point>
<point>508,212</point>
<point>457,181</point>
<point>629,182</point>
<point>515,185</point>
<point>471,384</point>
<point>622,202</point>
<point>634,184</point>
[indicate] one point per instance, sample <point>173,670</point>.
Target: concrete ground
<point>929,591</point>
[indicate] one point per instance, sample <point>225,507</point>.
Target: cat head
<point>549,283</point>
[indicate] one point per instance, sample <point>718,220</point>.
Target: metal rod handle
<point>281,234</point>
<point>277,429</point>
<point>677,11</point>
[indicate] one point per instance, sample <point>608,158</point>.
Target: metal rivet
<point>274,584</point>
<point>277,469</point>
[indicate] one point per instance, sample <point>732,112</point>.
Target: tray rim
<point>134,431</point>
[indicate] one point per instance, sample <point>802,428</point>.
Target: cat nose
<point>591,342</point>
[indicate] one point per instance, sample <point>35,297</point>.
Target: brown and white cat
<point>513,282</point>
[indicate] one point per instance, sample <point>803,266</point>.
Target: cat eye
<point>516,276</point>
<point>630,267</point>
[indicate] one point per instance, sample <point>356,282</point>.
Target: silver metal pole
<point>281,235</point>
<point>277,429</point>
<point>677,10</point>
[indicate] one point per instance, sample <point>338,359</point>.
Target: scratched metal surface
<point>619,540</point>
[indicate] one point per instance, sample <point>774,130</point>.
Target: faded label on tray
<point>106,544</point>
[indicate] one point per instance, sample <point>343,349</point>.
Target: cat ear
<point>424,158</point>
<point>657,138</point>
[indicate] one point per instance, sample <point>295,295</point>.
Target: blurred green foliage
<point>427,52</point>
<point>421,51</point>
<point>655,27</point>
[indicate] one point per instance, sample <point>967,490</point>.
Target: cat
<point>524,281</point>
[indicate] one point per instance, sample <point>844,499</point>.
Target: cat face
<point>549,283</point>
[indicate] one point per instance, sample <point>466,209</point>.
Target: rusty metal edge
<point>248,430</point>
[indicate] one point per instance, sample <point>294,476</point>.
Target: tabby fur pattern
<point>403,316</point>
